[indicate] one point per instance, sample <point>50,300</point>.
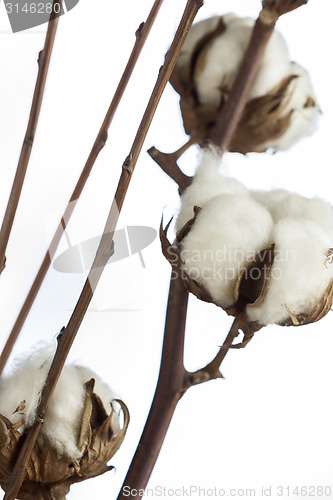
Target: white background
<point>270,421</point>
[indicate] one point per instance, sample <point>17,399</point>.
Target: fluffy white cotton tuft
<point>207,183</point>
<point>305,111</point>
<point>62,422</point>
<point>299,277</point>
<point>228,232</point>
<point>282,204</point>
<point>218,64</point>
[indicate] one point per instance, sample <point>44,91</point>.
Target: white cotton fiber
<point>299,277</point>
<point>197,32</point>
<point>228,232</point>
<point>218,63</point>
<point>282,204</point>
<point>63,419</point>
<point>305,111</point>
<point>207,183</point>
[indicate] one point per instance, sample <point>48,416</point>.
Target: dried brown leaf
<point>318,312</point>
<point>8,452</point>
<point>85,431</point>
<point>264,119</point>
<point>252,282</point>
<point>103,445</point>
<point>183,232</point>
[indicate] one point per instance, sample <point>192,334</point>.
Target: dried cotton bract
<point>80,433</point>
<point>265,254</point>
<point>281,107</point>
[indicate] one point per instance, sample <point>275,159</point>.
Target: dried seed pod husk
<point>49,476</point>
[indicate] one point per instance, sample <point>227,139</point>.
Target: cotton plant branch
<point>102,136</point>
<point>172,384</point>
<point>14,197</point>
<point>174,380</point>
<point>230,115</point>
<point>104,252</point>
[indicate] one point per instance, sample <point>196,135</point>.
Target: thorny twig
<point>141,36</point>
<point>103,254</point>
<point>14,197</point>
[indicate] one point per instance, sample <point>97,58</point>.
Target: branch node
<point>268,17</point>
<point>127,165</point>
<point>40,57</point>
<point>60,335</point>
<point>139,30</point>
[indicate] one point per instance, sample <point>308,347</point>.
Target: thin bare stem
<point>14,197</point>
<point>141,36</point>
<point>104,251</point>
<point>168,161</point>
<point>168,164</point>
<point>212,370</point>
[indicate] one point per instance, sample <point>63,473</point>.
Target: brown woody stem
<point>141,36</point>
<point>43,66</point>
<point>171,385</point>
<point>168,163</point>
<point>212,370</point>
<point>232,110</point>
<point>174,380</point>
<point>104,251</point>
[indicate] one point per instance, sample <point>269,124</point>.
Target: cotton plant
<point>281,106</point>
<point>265,255</point>
<point>80,433</point>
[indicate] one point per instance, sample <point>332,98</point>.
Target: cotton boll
<point>227,234</point>
<point>299,277</point>
<point>217,66</point>
<point>207,183</point>
<point>62,423</point>
<point>282,204</point>
<point>305,111</point>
